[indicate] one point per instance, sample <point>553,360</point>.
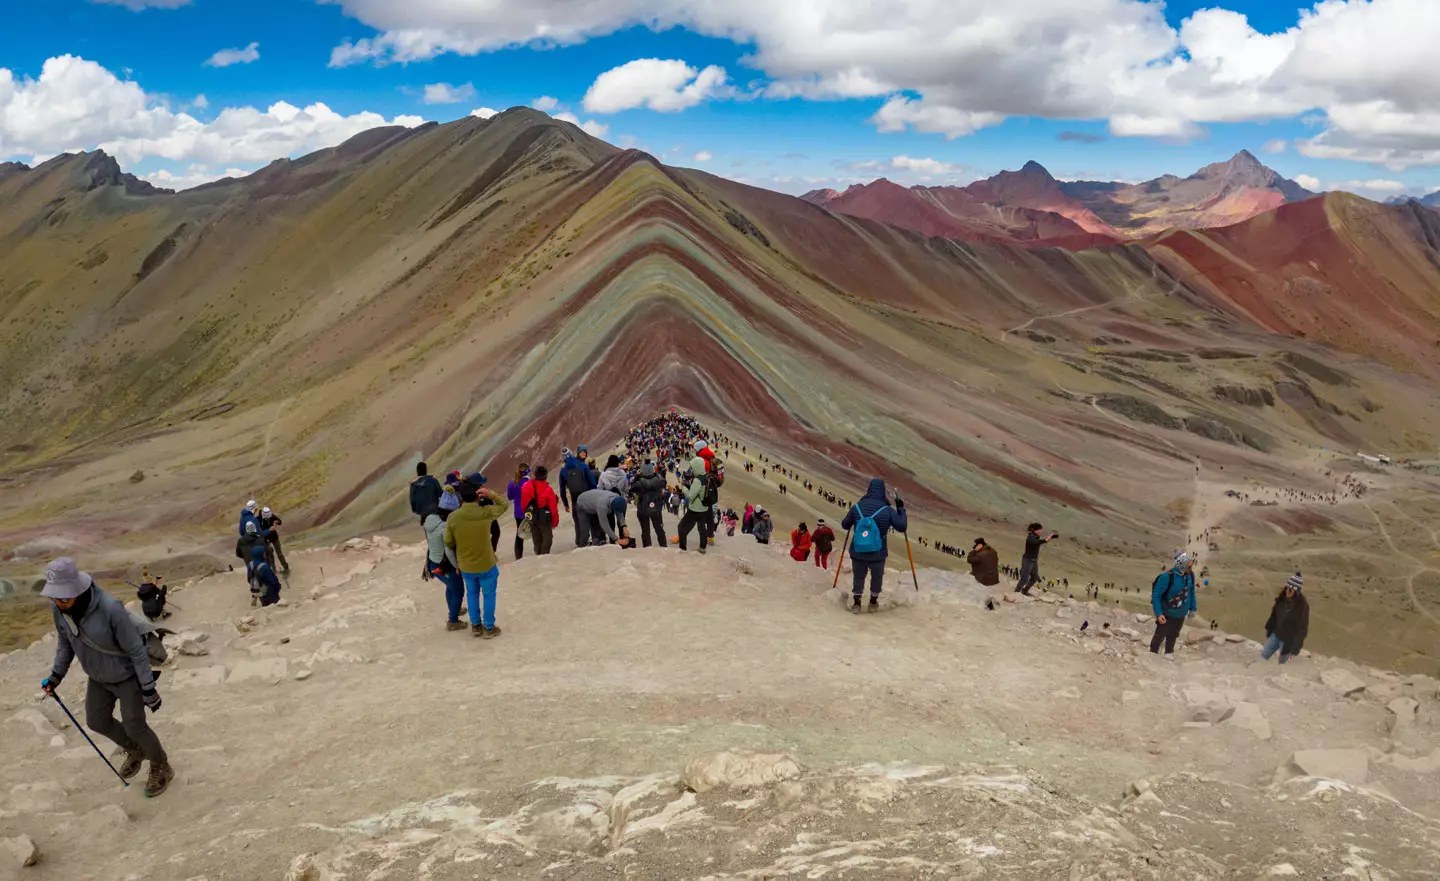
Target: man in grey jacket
<point>95,628</point>
<point>596,508</point>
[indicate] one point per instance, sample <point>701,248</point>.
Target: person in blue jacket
<point>250,514</point>
<point>1172,598</point>
<point>871,553</point>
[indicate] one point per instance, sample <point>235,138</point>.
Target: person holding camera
<point>1030,563</point>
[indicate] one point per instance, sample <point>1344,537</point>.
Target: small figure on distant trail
<point>761,527</point>
<point>93,627</point>
<point>266,581</point>
<point>424,492</point>
<point>871,520</point>
<point>542,509</point>
<point>268,521</point>
<point>1172,598</point>
<point>823,539</point>
<point>800,542</point>
<point>984,563</point>
<point>1030,562</point>
<point>748,521</point>
<point>1289,622</point>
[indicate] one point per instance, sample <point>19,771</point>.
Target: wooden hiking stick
<point>913,576</point>
<point>840,564</point>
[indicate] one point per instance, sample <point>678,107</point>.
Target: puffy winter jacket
<point>424,494</point>
<point>1290,620</point>
<point>650,494</point>
<point>546,502</point>
<point>575,479</point>
<point>874,504</point>
<point>105,640</point>
<point>1173,593</point>
<point>761,528</point>
<point>614,480</point>
<point>984,565</point>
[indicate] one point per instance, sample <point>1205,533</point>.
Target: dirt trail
<point>1410,580</point>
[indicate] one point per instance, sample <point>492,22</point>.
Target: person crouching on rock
<point>152,594</point>
<point>266,581</point>
<point>984,563</point>
<point>800,543</point>
<point>1172,598</point>
<point>467,533</point>
<point>1289,622</point>
<point>95,628</point>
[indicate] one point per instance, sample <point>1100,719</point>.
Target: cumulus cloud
<point>200,102</point>
<point>484,112</point>
<point>1278,145</point>
<point>545,103</point>
<point>590,127</point>
<point>77,104</point>
<point>193,176</point>
<point>704,156</point>
<point>922,168</point>
<point>1309,182</point>
<point>665,85</point>
<point>227,57</point>
<point>1373,187</point>
<point>953,68</point>
<point>444,93</point>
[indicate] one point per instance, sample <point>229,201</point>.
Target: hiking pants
<point>1029,576</point>
<point>876,568</point>
<point>454,593</point>
<point>691,520</point>
<point>582,529</point>
<point>822,560</point>
<point>519,541</point>
<point>495,535</point>
<point>542,534</point>
<point>655,522</point>
<point>273,549</point>
<point>480,588</point>
<point>1273,645</point>
<point>588,531</point>
<point>132,732</point>
<point>1168,632</point>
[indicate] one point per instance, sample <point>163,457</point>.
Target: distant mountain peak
<point>1034,168</point>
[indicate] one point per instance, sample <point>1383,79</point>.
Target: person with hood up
<point>467,533</point>
<point>450,497</point>
<point>1289,622</point>
<point>748,520</point>
<point>823,538</point>
<point>761,527</point>
<point>597,508</point>
<point>542,509</point>
<point>1172,598</point>
<point>440,564</point>
<point>869,549</point>
<point>651,495</point>
<point>251,540</point>
<point>94,628</point>
<point>1030,562</point>
<point>424,492</point>
<point>575,478</point>
<point>984,563</point>
<point>266,581</point>
<point>697,512</point>
<point>706,454</point>
<point>249,514</point>
<point>800,542</point>
<point>512,493</point>
<point>614,478</point>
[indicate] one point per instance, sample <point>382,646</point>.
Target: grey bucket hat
<point>65,582</point>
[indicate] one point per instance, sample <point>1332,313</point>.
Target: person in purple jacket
<point>512,492</point>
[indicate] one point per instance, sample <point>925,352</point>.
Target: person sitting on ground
<point>984,563</point>
<point>424,492</point>
<point>1289,622</point>
<point>268,521</point>
<point>761,527</point>
<point>1172,598</point>
<point>872,518</point>
<point>467,533</point>
<point>823,539</point>
<point>93,627</point>
<point>152,594</point>
<point>800,542</point>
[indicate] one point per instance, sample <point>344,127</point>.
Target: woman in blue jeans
<point>1289,622</point>
<point>440,565</point>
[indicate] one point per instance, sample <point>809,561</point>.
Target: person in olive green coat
<point>467,533</point>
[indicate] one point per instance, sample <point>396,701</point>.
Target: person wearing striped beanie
<point>1172,597</point>
<point>1289,621</point>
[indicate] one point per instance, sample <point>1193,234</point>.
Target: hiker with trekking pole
<point>94,628</point>
<point>870,520</point>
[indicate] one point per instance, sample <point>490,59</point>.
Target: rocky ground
<point>653,715</point>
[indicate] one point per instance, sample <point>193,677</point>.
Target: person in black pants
<point>650,494</point>
<point>1172,598</point>
<point>1030,563</point>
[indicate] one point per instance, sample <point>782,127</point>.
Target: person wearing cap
<point>467,534</point>
<point>650,494</point>
<point>94,628</point>
<point>984,563</point>
<point>1172,598</point>
<point>251,541</point>
<point>596,509</point>
<point>1289,622</point>
<point>823,538</point>
<point>478,480</point>
<point>762,527</point>
<point>1030,561</point>
<point>248,514</point>
<point>268,521</point>
<point>697,513</point>
<point>575,479</point>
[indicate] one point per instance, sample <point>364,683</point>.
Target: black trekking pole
<point>87,737</point>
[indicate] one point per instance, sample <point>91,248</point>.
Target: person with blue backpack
<point>1172,598</point>
<point>870,521</point>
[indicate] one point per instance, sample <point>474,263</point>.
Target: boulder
<point>1427,765</point>
<point>18,852</point>
<point>1127,632</point>
<point>1346,765</point>
<point>1234,638</point>
<point>739,771</point>
<point>1401,713</point>
<point>1247,716</point>
<point>1342,682</point>
<point>258,670</point>
<point>1196,635</point>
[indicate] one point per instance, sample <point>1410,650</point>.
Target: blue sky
<point>829,136</point>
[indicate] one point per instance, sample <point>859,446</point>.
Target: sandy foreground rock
<point>654,715</point>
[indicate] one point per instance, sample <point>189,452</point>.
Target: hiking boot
<point>160,777</point>
<point>491,633</point>
<point>454,625</point>
<point>874,604</point>
<point>476,630</point>
<point>254,600</point>
<point>855,606</point>
<point>131,766</point>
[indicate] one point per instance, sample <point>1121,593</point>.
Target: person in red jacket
<point>800,544</point>
<point>539,504</point>
<point>823,538</point>
<point>702,449</point>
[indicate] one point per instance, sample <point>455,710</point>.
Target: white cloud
<point>76,104</point>
<point>925,166</point>
<point>545,103</point>
<point>1279,145</point>
<point>1365,66</point>
<point>907,168</point>
<point>1371,187</point>
<point>200,102</point>
<point>665,85</point>
<point>227,57</point>
<point>137,5</point>
<point>444,93</point>
<point>484,112</point>
<point>193,176</point>
<point>590,127</point>
<point>1308,182</point>
<point>704,156</point>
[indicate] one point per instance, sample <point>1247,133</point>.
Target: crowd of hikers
<point>669,464</point>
